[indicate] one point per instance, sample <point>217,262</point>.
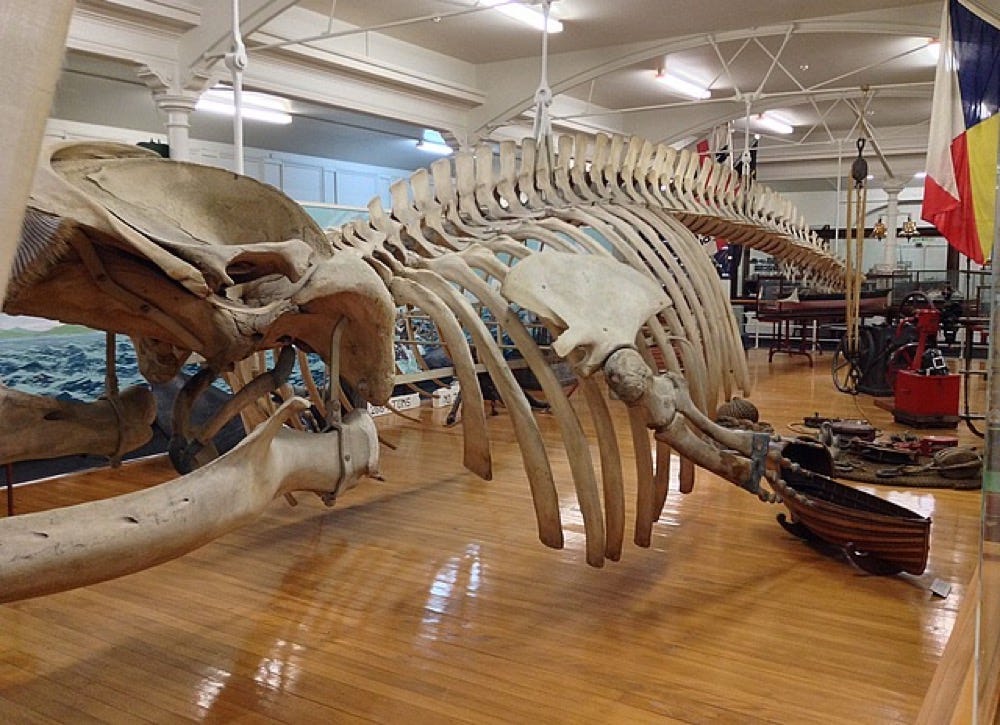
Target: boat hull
<point>877,535</point>
<point>824,305</point>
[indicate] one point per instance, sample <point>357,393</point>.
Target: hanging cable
<point>329,20</point>
<point>236,62</point>
<point>745,159</point>
<point>542,130</point>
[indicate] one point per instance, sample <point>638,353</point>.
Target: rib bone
<point>225,267</point>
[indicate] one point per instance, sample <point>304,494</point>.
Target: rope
<point>111,392</point>
<point>542,127</point>
<point>857,201</point>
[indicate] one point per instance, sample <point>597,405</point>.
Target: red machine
<point>926,392</point>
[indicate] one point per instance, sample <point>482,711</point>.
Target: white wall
<point>303,178</point>
<point>825,207</point>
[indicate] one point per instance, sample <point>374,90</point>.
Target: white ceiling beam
<point>377,75</point>
<point>372,58</point>
<point>213,37</point>
<point>774,58</point>
<point>513,83</point>
<point>126,39</point>
<point>768,100</point>
<point>177,13</point>
<point>329,87</point>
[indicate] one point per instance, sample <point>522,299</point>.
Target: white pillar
<point>889,254</point>
<point>178,109</point>
<point>177,99</point>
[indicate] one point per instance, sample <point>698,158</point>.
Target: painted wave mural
<point>62,361</point>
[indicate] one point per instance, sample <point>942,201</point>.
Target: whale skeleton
<point>596,237</point>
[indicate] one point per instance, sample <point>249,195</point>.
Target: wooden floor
<point>428,599</point>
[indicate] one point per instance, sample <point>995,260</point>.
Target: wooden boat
<point>878,536</point>
<point>809,303</point>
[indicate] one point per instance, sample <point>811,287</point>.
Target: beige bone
<point>37,428</point>
<point>193,283</point>
<point>51,551</point>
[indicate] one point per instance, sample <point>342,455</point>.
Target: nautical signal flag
<point>960,186</point>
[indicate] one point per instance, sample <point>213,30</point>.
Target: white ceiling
<point>488,36</point>
<point>806,60</point>
<point>818,64</point>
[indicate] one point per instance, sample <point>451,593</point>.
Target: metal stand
<point>9,475</point>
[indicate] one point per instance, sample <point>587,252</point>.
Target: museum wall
<point>304,178</point>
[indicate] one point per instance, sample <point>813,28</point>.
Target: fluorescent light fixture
<point>524,14</point>
<point>773,124</point>
<point>682,85</point>
<point>255,106</point>
<point>934,48</point>
<point>253,114</point>
<point>920,175</point>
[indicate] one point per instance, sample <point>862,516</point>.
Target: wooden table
<point>790,319</point>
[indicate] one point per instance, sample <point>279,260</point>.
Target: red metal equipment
<point>928,320</point>
<point>926,393</point>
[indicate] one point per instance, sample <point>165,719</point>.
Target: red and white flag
<point>960,187</point>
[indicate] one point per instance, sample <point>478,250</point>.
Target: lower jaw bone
<point>51,551</point>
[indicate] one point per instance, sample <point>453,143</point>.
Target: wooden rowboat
<point>878,536</point>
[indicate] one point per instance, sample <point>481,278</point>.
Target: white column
<point>889,255</point>
<point>176,94</point>
<point>178,109</point>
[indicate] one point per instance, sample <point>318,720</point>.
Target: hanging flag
<point>960,187</point>
<point>713,143</point>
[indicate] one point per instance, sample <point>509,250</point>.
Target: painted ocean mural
<point>62,361</point>
<point>68,361</point>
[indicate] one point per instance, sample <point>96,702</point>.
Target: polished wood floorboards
<point>428,599</point>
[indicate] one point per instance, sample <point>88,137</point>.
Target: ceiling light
<point>254,106</point>
<point>772,123</point>
<point>683,86</point>
<point>524,14</point>
<point>920,175</point>
<point>441,149</point>
<point>934,48</point>
<point>253,114</point>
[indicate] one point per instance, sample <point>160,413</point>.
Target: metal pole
<point>236,61</point>
<point>836,212</point>
<point>989,551</point>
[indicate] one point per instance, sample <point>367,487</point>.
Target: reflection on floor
<point>428,598</point>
